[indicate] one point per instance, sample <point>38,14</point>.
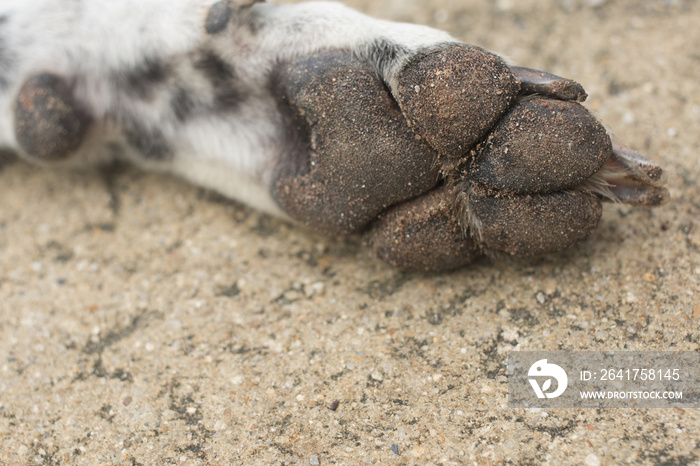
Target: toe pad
<point>542,145</point>
<point>531,225</point>
<point>423,235</point>
<point>454,96</point>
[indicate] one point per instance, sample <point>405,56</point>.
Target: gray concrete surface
<point>143,321</point>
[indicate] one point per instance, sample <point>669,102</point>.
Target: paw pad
<point>534,224</point>
<point>49,125</point>
<point>542,145</point>
<point>454,96</point>
<point>464,162</point>
<point>362,158</point>
<point>423,234</point>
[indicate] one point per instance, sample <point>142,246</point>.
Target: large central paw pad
<point>361,156</point>
<point>468,157</point>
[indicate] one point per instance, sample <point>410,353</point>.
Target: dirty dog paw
<point>462,156</point>
<point>437,151</point>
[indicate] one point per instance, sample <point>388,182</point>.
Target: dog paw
<point>466,156</point>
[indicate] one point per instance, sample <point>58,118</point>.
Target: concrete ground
<point>144,321</point>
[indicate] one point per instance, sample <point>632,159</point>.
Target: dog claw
<point>633,179</point>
